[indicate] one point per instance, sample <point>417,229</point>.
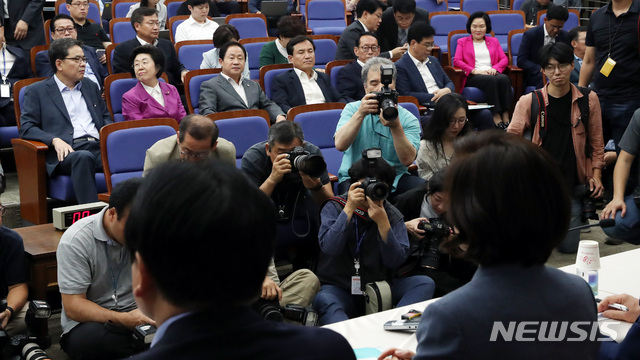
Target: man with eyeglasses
<point>66,112</point>
<point>89,33</point>
<point>13,280</point>
<point>196,140</point>
<point>145,22</point>
<point>561,126</point>
<point>534,39</point>
<point>62,27</point>
<point>21,23</point>
<point>577,37</point>
<point>99,311</point>
<point>349,83</point>
<point>396,21</point>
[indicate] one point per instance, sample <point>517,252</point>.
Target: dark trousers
<point>82,165</point>
<point>615,118</point>
<point>496,88</point>
<point>480,120</point>
<point>95,341</point>
<point>7,115</point>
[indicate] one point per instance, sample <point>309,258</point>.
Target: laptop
<point>274,8</point>
<point>402,325</point>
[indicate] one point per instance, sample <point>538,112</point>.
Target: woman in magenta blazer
<point>150,98</point>
<point>483,61</point>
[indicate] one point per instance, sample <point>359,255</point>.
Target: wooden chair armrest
<point>32,179</point>
<point>104,197</point>
<point>413,169</point>
<point>455,74</point>
<point>333,179</point>
<point>516,75</point>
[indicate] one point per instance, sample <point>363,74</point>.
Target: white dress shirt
<point>312,92</point>
<point>8,59</point>
<point>237,87</point>
<point>78,110</point>
<point>281,49</point>
<point>142,42</point>
<point>190,29</point>
<point>547,38</point>
<point>424,71</point>
<point>155,93</point>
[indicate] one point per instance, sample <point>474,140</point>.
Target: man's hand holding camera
<point>134,318</point>
<point>280,167</point>
<point>414,229</point>
<point>355,198</point>
<point>5,317</point>
<point>368,105</point>
<point>270,290</point>
<point>378,214</point>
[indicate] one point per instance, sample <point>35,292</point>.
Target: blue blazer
<point>460,324</point>
<point>532,42</point>
<point>410,81</point>
<point>350,84</point>
<point>45,117</point>
<point>43,66</point>
<point>287,90</point>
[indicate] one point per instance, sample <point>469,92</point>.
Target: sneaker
<point>611,241</point>
<point>501,126</point>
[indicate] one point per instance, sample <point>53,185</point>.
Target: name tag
<point>607,67</point>
<point>5,90</point>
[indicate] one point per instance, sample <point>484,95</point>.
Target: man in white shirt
<point>303,85</point>
<point>197,26</point>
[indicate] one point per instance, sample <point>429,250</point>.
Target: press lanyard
<point>114,277</point>
<point>4,61</point>
<point>359,239</point>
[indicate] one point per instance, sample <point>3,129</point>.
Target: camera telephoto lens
<point>32,351</point>
<point>312,165</point>
<point>389,110</point>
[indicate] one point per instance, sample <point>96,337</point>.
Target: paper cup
<point>588,257</point>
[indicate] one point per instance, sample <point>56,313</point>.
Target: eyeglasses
<point>372,48</point>
<point>428,45</point>
<point>78,59</point>
<point>194,155</point>
<point>81,5</point>
<point>458,121</point>
<point>69,30</point>
<point>143,63</point>
<point>552,68</point>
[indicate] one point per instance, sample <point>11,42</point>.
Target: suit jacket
<point>43,66</point>
<point>217,95</point>
<point>45,117</point>
<point>465,57</point>
<point>20,70</point>
<point>239,333</point>
<point>29,11</point>
<point>172,65</point>
<point>137,104</point>
<point>532,42</point>
<point>287,90</point>
<point>270,55</point>
<point>628,349</point>
<point>410,81</point>
<point>388,30</point>
<point>460,324</point>
<point>575,74</point>
<point>350,84</point>
<point>348,41</point>
<point>167,149</point>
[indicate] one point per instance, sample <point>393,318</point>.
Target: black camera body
<point>435,230</point>
<point>387,98</point>
<point>271,310</point>
<point>30,346</point>
<point>302,160</point>
<point>374,188</point>
<point>143,335</point>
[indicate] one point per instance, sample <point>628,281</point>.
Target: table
<point>40,245</point>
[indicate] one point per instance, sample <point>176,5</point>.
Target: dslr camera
<point>374,188</point>
<point>387,98</point>
<point>30,346</point>
<point>589,206</point>
<point>302,160</point>
<point>435,230</point>
<point>271,310</point>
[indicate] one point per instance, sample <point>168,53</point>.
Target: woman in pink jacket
<point>483,61</point>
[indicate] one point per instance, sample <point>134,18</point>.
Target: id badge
<point>355,285</point>
<point>5,90</point>
<point>608,67</point>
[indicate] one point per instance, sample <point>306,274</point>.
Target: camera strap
<point>362,213</point>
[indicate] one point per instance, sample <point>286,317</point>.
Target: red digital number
<point>76,216</point>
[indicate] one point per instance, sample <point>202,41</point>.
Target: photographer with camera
<point>363,240</point>
<point>566,121</point>
<point>426,207</point>
<point>13,280</point>
<point>378,121</point>
<point>98,308</point>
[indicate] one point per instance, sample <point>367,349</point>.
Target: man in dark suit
<point>577,37</point>
<point>534,39</point>
<point>145,21</point>
<point>230,91</point>
<point>66,112</point>
<point>303,85</point>
<point>21,23</point>
<point>62,27</point>
<point>396,21</point>
<point>350,76</point>
<point>629,347</point>
<point>232,225</point>
<point>369,14</point>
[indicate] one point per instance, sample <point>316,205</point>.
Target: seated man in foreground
<point>198,315</point>
<point>98,308</point>
<point>197,139</point>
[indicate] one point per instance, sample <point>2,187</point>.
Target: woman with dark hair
<point>154,4</point>
<point>483,61</point>
<point>509,205</point>
<point>275,52</point>
<point>449,120</point>
<point>211,59</point>
<point>150,98</point>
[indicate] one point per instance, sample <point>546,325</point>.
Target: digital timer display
<point>70,218</point>
<point>63,217</point>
